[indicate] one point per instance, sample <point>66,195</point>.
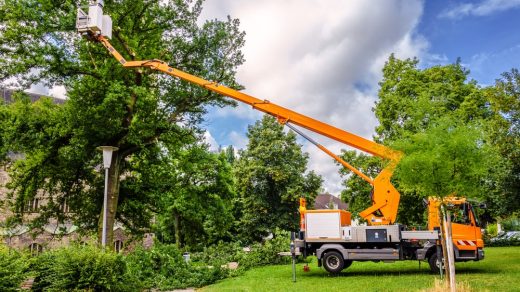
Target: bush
<point>163,267</point>
<point>511,224</point>
<point>81,268</point>
<point>513,241</point>
<point>261,253</point>
<point>13,266</point>
<point>267,253</point>
<point>492,230</point>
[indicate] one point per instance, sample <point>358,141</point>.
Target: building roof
<point>326,201</point>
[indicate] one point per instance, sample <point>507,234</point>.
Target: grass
<point>499,271</point>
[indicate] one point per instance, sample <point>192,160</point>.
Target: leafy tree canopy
<point>449,157</point>
<point>442,121</point>
<point>411,98</point>
<point>504,130</point>
<point>138,111</point>
<point>271,177</point>
<point>196,197</point>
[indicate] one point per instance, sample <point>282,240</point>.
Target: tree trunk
<point>448,249</point>
<point>177,225</point>
<point>451,255</point>
<point>112,201</point>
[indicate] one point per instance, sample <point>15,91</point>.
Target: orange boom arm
<point>385,198</point>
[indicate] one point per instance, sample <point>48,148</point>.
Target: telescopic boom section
<point>385,198</point>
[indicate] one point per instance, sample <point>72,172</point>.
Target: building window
<point>118,246</point>
<point>35,249</point>
<point>32,206</point>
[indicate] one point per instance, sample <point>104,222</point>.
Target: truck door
<point>464,232</point>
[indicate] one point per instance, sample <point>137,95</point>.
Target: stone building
<point>52,234</point>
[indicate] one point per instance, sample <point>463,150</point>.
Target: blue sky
<point>488,44</point>
<point>324,58</point>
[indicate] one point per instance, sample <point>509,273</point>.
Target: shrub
<point>513,241</point>
<point>163,267</point>
<point>81,268</point>
<point>13,266</point>
<point>511,224</point>
<point>492,230</point>
<point>265,253</point>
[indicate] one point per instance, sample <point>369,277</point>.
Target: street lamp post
<point>107,160</point>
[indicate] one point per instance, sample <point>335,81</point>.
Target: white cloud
<point>58,92</point>
<point>239,140</point>
<point>322,59</point>
<point>208,139</point>
<point>485,7</point>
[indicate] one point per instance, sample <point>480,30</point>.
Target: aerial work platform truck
<point>330,236</point>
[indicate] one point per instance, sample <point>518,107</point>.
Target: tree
<point>271,177</point>
<point>413,101</point>
<point>196,201</point>
<point>230,154</point>
<point>138,111</point>
<point>410,99</point>
<point>504,130</point>
<point>449,157</point>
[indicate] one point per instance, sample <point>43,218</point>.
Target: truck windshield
<point>461,215</point>
<point>477,223</point>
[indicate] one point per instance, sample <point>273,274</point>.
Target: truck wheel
<point>333,262</point>
<point>435,263</point>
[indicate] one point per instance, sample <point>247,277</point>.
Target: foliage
<point>13,267</point>
<point>138,111</point>
<point>417,104</point>
<point>410,99</point>
<point>504,242</point>
<point>230,154</point>
<point>509,241</point>
<point>511,224</point>
<point>504,130</point>
<point>492,230</point>
<point>81,268</point>
<point>163,267</point>
<point>259,254</point>
<point>270,178</point>
<point>448,157</point>
<point>196,192</point>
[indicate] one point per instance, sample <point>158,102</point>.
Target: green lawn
<point>499,271</point>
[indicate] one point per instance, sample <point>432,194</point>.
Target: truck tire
<point>435,264</point>
<point>333,262</point>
